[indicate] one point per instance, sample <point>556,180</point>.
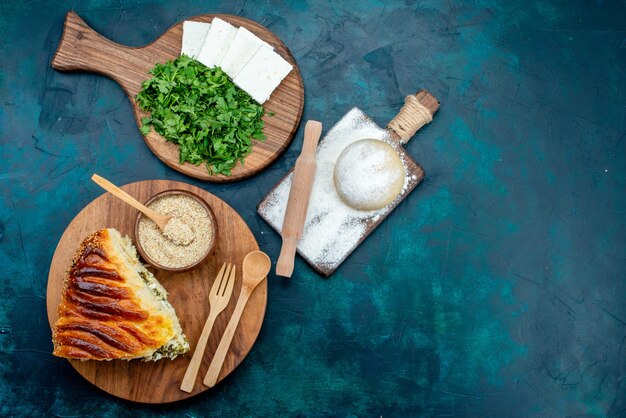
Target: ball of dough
<point>369,174</point>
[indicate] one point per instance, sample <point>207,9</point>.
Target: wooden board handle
<point>83,49</point>
<point>416,112</point>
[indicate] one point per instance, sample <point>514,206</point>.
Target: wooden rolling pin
<point>299,195</point>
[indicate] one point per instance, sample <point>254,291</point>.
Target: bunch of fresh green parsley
<point>200,109</point>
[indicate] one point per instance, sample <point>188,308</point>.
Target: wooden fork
<point>220,294</point>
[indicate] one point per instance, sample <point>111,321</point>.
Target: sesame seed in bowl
<point>188,237</point>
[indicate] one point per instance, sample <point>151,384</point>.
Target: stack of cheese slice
<point>251,62</point>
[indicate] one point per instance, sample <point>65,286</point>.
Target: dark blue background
<point>496,288</point>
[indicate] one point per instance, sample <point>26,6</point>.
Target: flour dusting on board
<point>332,228</point>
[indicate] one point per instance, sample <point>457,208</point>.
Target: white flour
<point>332,228</point>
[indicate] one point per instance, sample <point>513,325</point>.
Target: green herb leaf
<point>199,108</point>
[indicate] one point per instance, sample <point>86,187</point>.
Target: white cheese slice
<point>194,34</point>
<point>217,42</point>
<point>243,47</point>
<point>262,74</point>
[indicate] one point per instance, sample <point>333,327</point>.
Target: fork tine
<point>228,290</point>
<point>218,279</point>
<point>223,280</point>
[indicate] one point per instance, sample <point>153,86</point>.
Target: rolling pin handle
<point>286,259</point>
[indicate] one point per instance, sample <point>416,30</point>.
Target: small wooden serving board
<point>159,382</point>
<point>337,242</point>
<point>83,49</point>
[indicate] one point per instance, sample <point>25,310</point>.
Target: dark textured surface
<point>497,288</point>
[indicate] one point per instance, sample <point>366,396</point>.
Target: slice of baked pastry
<point>112,307</point>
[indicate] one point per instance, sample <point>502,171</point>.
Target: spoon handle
<point>121,194</point>
<point>222,349</point>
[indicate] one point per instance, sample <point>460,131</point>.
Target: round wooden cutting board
<point>159,382</point>
<point>83,49</point>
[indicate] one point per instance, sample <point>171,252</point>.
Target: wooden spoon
<point>159,219</point>
<point>256,265</point>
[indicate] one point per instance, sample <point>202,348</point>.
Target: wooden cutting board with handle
<point>328,240</point>
<point>83,49</point>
